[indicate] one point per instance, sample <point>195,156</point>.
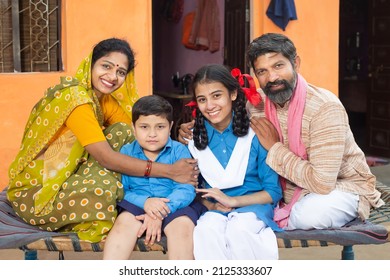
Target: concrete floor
<point>362,252</point>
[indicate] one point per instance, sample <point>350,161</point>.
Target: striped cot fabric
<point>14,233</point>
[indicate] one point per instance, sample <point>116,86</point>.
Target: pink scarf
<point>294,128</point>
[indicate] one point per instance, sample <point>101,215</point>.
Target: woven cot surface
<point>72,243</point>
<point>14,233</point>
<point>353,233</point>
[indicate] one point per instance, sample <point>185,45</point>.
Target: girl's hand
<point>185,171</point>
<point>215,206</point>
<point>219,207</point>
<point>156,207</point>
<point>218,195</point>
<point>152,228</point>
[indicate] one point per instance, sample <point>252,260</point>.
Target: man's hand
<point>185,132</point>
<point>156,207</point>
<point>265,132</point>
<point>152,228</point>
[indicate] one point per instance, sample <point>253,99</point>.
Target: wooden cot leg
<point>30,254</point>
<point>347,253</point>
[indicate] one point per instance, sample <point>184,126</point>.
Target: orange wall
<point>84,23</point>
<point>315,35</point>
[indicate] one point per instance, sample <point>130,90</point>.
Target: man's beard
<point>280,96</point>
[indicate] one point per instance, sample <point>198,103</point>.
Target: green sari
<point>56,185</point>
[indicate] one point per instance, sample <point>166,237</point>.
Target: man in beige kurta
<point>337,185</point>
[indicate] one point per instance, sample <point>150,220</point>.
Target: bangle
<point>148,168</point>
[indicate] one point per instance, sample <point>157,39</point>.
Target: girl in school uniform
<point>240,189</point>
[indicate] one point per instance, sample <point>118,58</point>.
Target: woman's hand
<point>185,132</point>
<point>227,202</point>
<point>151,226</point>
<point>185,171</point>
<point>157,208</point>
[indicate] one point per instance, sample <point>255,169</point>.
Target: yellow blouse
<point>84,125</point>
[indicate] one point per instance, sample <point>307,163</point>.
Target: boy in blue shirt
<point>152,205</point>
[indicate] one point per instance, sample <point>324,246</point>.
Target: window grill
<point>30,36</point>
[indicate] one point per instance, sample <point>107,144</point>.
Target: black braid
<point>240,118</point>
<point>199,133</point>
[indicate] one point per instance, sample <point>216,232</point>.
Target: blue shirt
<point>138,189</point>
<point>259,176</point>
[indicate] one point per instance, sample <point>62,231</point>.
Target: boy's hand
<point>152,228</point>
<point>156,207</point>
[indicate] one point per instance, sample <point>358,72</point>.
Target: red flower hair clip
<point>251,93</point>
<point>193,105</point>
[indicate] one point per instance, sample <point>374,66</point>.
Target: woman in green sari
<point>66,176</point>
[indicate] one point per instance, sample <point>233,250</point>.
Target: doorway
<point>171,58</point>
<point>172,61</point>
<point>236,38</point>
<point>364,72</point>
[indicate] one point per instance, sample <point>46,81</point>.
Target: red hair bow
<point>193,105</point>
<point>251,93</point>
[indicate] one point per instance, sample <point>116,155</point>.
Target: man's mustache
<point>276,83</point>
